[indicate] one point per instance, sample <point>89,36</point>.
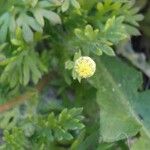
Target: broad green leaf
<point>141,143</point>
<point>141,104</point>
<point>119,100</point>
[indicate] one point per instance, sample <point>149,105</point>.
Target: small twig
<point>26,96</point>
<point>15,101</point>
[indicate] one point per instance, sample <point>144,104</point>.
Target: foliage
<point>69,40</point>
<point>45,130</point>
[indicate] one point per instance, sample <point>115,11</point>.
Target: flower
<point>85,67</point>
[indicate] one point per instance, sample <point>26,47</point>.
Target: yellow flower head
<point>85,67</point>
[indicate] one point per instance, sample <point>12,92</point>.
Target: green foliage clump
<point>44,131</point>
<point>42,106</point>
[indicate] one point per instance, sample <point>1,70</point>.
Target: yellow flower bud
<point>85,67</point>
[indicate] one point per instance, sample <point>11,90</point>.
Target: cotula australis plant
<point>69,39</point>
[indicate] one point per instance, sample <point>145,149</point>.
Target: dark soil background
<point>141,44</point>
